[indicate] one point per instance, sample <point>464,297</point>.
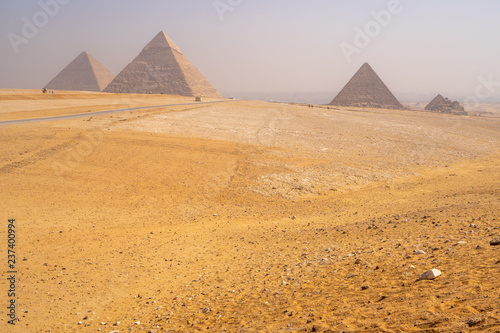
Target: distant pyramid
<point>366,89</point>
<point>444,105</point>
<point>84,73</point>
<point>162,68</point>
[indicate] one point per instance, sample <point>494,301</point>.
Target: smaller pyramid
<point>444,105</point>
<point>162,68</point>
<point>84,73</point>
<point>366,89</point>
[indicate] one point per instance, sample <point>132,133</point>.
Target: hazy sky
<point>418,47</point>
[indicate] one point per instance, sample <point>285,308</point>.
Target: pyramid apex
<point>438,99</point>
<point>161,40</point>
<point>83,54</point>
<point>162,34</point>
<point>366,66</point>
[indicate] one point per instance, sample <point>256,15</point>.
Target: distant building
<point>162,68</point>
<point>84,73</point>
<point>444,105</point>
<point>366,89</point>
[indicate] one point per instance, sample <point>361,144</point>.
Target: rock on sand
<point>430,274</point>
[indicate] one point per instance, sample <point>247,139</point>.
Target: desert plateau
<point>248,216</point>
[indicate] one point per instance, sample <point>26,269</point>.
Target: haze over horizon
<point>280,50</point>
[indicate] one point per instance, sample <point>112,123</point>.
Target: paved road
<point>92,114</point>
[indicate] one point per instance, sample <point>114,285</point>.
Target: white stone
<point>419,252</point>
<point>430,274</point>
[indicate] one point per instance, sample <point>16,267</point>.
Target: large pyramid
<point>162,68</point>
<point>366,89</point>
<point>84,73</point>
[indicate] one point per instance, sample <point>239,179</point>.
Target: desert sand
<point>248,216</point>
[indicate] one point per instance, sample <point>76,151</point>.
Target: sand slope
<point>254,216</point>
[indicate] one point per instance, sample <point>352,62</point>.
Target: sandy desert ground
<point>248,216</point>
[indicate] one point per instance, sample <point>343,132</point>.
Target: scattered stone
<point>80,323</point>
<point>205,310</point>
<point>137,323</point>
<point>495,241</point>
<point>419,252</point>
<point>357,262</point>
<point>365,287</point>
<point>474,321</point>
<point>430,274</point>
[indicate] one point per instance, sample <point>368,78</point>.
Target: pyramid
<point>444,105</point>
<point>366,89</point>
<point>84,73</point>
<point>161,68</point>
